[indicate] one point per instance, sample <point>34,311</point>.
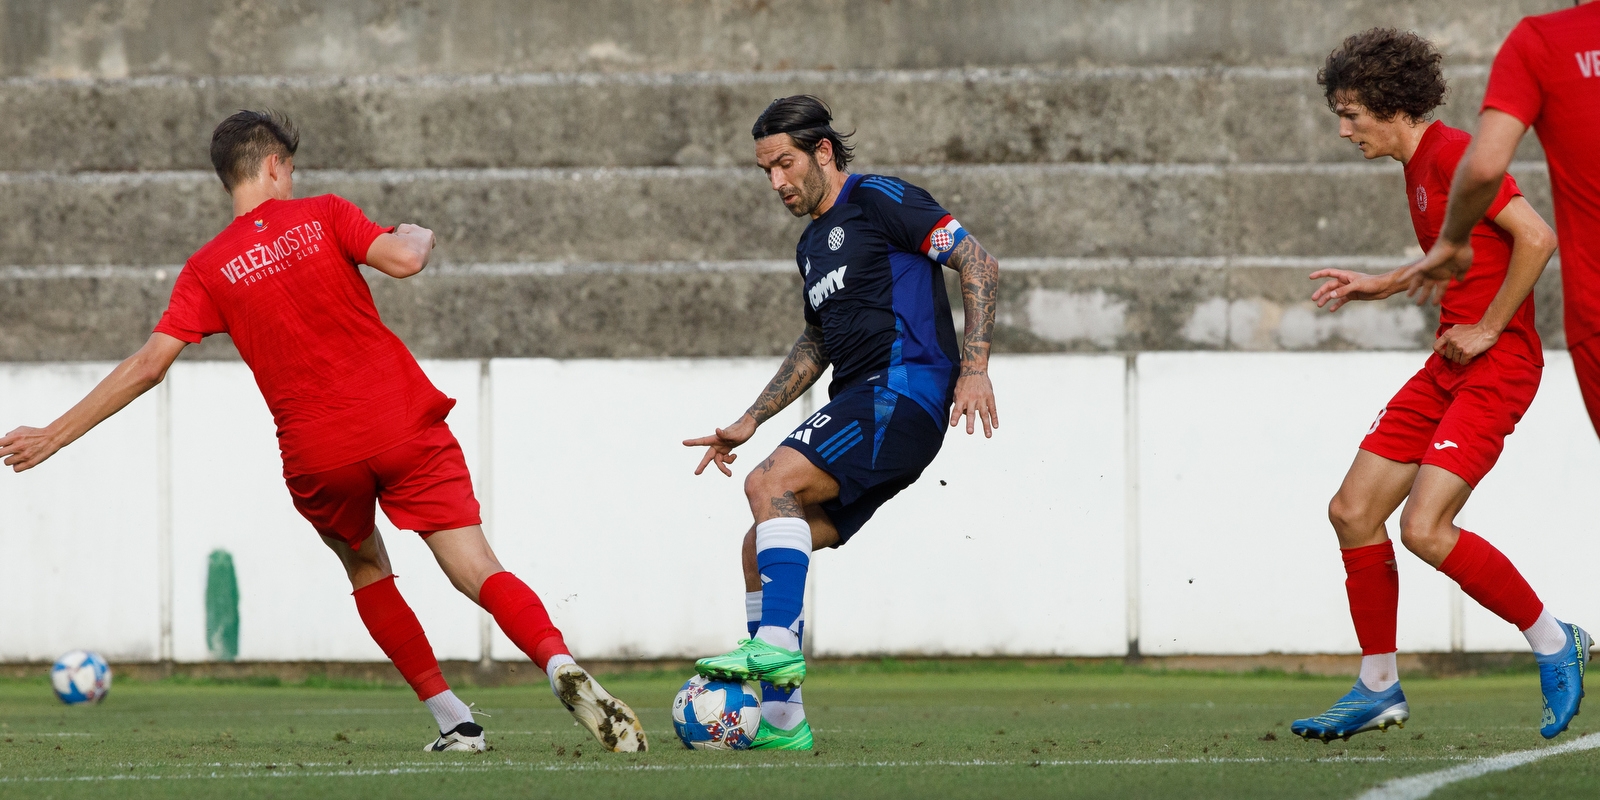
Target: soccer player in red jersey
<point>1546,75</point>
<point>1444,430</point>
<point>359,424</point>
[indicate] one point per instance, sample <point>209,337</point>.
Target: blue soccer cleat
<point>1360,710</point>
<point>1561,680</point>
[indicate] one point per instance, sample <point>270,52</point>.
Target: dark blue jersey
<point>873,285</point>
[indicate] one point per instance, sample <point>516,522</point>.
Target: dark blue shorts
<point>874,442</point>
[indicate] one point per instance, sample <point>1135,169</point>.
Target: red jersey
<point>1428,176</point>
<point>283,282</point>
<point>1547,74</point>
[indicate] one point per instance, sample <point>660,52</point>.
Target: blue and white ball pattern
<point>716,715</point>
<point>80,677</point>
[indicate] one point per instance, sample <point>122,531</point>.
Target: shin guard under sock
<point>520,614</point>
<point>1372,583</point>
<point>395,628</point>
<point>1487,576</point>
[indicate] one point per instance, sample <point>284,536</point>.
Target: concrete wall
<point>1157,177</point>
<point>1153,174</point>
<point>119,38</point>
<point>1018,545</point>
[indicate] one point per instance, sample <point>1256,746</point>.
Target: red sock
<point>518,612</point>
<point>1373,585</point>
<point>1486,575</point>
<point>395,628</point>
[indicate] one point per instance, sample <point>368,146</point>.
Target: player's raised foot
<point>1561,681</point>
<point>755,660</point>
<point>609,719</point>
<point>1360,710</point>
<point>771,737</point>
<point>464,738</point>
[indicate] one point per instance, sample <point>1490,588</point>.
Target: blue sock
<point>783,554</point>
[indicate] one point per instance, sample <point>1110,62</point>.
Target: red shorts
<point>423,486</point>
<point>1456,416</point>
<point>1586,362</point>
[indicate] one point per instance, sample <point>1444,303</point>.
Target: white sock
<point>550,667</point>
<point>783,714</point>
<point>779,637</point>
<point>1379,672</point>
<point>1546,637</point>
<point>448,710</point>
<point>752,608</point>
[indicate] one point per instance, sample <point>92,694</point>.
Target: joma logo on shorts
<point>826,286</point>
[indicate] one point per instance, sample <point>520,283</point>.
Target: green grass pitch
<point>884,730</point>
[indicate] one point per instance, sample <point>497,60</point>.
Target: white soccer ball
<point>80,677</point>
<point>716,715</point>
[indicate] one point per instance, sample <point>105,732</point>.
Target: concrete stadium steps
<point>99,39</point>
<point>689,214</point>
<point>973,116</point>
<point>688,309</point>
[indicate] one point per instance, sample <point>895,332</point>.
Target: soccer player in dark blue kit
<point>875,309</point>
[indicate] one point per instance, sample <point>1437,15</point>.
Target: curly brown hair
<point>1387,70</point>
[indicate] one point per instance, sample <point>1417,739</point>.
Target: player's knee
<point>1422,533</point>
<point>1350,514</point>
<point>756,486</point>
<point>760,486</point>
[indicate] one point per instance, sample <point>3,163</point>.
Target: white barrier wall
<point>1216,475</point>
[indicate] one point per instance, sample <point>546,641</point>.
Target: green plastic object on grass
<point>222,607</point>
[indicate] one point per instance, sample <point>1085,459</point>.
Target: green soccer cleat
<point>755,660</point>
<point>771,738</point>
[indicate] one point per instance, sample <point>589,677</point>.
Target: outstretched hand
<point>26,448</point>
<point>975,401</point>
<point>1342,286</point>
<point>719,446</point>
<point>1426,278</point>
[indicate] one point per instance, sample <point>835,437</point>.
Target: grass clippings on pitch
<point>889,730</point>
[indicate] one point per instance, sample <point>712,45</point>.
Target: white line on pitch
<point>1420,786</point>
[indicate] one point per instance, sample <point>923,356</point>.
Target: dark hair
<point>1388,71</point>
<point>808,121</point>
<point>242,140</point>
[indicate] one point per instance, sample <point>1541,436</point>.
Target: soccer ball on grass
<point>716,715</point>
<point>80,677</point>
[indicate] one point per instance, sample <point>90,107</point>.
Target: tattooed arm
<point>980,281</point>
<point>806,361</point>
<point>804,365</point>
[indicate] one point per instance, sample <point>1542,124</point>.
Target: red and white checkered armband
<point>943,238</point>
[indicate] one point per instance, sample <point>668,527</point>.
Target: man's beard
<point>812,190</point>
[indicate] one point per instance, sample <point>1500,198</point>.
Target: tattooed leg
<point>785,484</point>
<point>780,496</point>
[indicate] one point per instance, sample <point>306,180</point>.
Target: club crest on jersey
<point>261,224</point>
<point>835,238</point>
<point>1422,198</point>
<point>942,240</point>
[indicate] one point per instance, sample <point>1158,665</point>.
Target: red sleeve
<point>351,228</point>
<point>1513,82</point>
<point>190,315</point>
<point>1508,190</point>
<point>1449,158</point>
